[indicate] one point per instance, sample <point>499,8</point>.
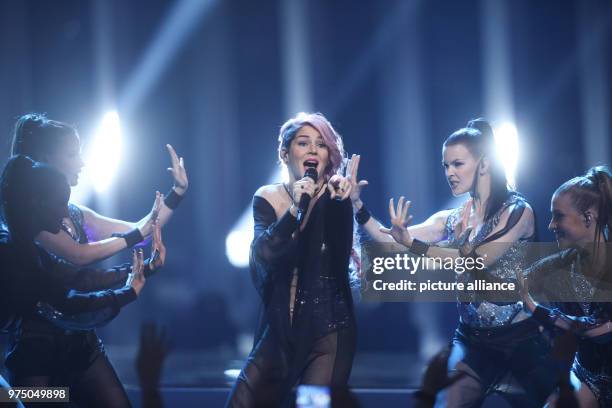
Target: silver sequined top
<point>483,314</point>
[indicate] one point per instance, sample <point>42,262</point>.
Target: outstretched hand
<point>181,183</point>
<point>158,249</point>
<point>147,228</point>
<point>136,279</point>
<point>399,222</point>
<point>351,173</point>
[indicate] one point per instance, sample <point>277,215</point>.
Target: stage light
<point>231,374</point>
<point>507,146</point>
<point>104,154</point>
<point>183,19</point>
<point>238,241</point>
<point>237,244</point>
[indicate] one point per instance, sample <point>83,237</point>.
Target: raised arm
<point>92,279</point>
<point>74,302</point>
<point>516,223</point>
<point>162,213</point>
<point>86,311</point>
<point>62,244</point>
<point>553,267</point>
<point>432,230</point>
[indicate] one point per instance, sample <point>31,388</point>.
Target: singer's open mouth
<point>311,163</point>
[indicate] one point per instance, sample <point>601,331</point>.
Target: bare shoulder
<point>527,216</point>
<point>525,225</point>
<point>270,192</point>
<point>274,194</point>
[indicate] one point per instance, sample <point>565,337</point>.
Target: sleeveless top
<point>484,314</point>
<point>76,216</point>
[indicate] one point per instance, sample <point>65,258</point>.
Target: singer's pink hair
<point>326,130</point>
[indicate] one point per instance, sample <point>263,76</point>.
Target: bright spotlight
<point>104,154</point>
<point>238,241</point>
<point>237,245</point>
<point>506,142</point>
<point>232,373</point>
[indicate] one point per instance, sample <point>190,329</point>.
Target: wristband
<point>419,247</point>
<point>363,215</point>
<point>172,199</point>
<point>132,237</point>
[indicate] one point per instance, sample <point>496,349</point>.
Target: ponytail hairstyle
<point>593,190</point>
<point>24,185</point>
<point>479,139</point>
<point>37,136</point>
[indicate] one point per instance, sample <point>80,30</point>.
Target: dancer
<point>301,271</point>
<point>581,220</point>
<point>34,197</point>
<point>494,344</point>
<point>87,236</point>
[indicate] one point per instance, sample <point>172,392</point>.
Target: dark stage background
<point>217,79</point>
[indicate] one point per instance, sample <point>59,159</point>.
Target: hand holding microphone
<point>303,191</point>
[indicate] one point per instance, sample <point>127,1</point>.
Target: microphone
<point>305,198</point>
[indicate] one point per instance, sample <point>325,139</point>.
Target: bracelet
<point>419,247</point>
<point>172,199</point>
<point>132,237</point>
<point>363,215</point>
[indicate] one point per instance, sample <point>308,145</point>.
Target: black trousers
<point>513,361</point>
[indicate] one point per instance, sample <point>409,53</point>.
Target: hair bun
<point>32,121</point>
<point>599,174</point>
<point>483,126</point>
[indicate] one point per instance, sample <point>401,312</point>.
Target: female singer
<point>301,270</point>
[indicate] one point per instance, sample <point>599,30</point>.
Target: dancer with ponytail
<point>34,198</point>
<point>581,219</point>
<point>495,344</point>
<point>85,237</point>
